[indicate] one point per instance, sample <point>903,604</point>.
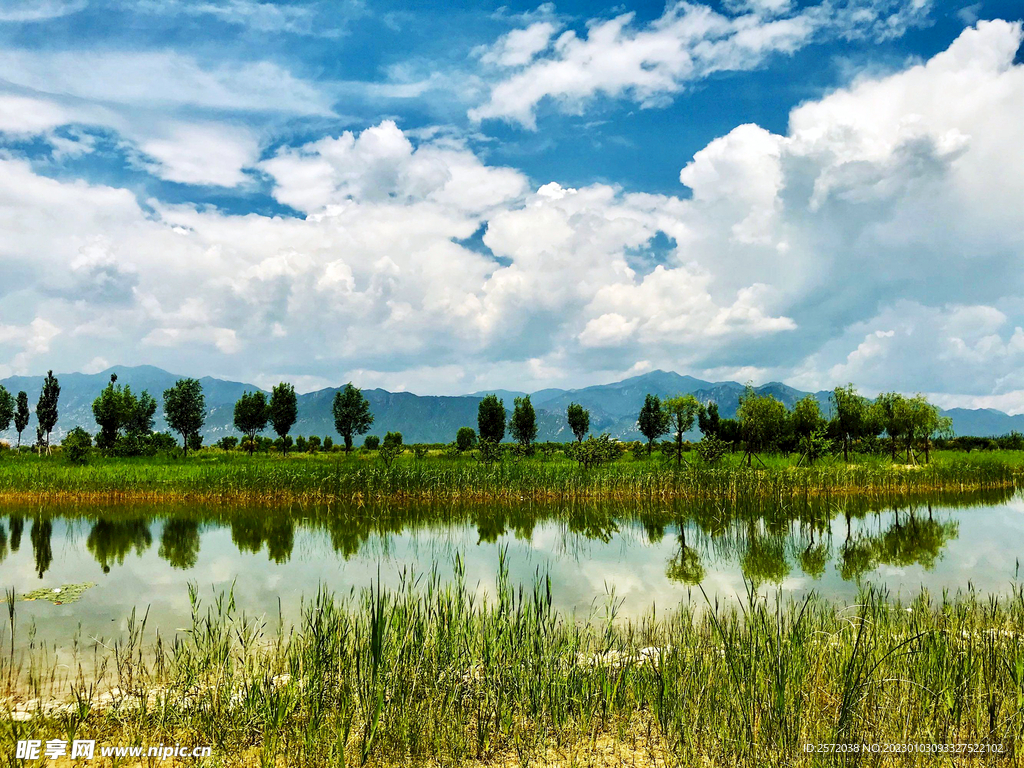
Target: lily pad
<point>65,593</point>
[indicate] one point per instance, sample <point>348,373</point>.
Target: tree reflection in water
<point>767,540</point>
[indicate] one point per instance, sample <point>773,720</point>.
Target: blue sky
<point>447,199</point>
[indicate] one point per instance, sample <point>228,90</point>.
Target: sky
<point>448,199</point>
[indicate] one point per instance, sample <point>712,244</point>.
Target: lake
<point>638,556</point>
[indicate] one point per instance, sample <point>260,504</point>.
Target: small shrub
<point>228,443</point>
<point>711,449</point>
<point>490,451</point>
<point>594,451</point>
<point>419,451</point>
<point>76,446</point>
<point>465,438</point>
<point>393,438</point>
<point>371,443</point>
<point>389,452</point>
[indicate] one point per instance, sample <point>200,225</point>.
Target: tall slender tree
<point>708,420</point>
<point>849,412</point>
<point>284,410</point>
<point>6,408</point>
<point>652,421</point>
<point>523,424</point>
<point>185,410</point>
<point>490,419</point>
<point>351,414</point>
<point>251,415</point>
<point>680,411</point>
<point>46,408</point>
<point>579,420</point>
<point>21,415</point>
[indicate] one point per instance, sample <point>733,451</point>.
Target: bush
<point>711,449</point>
<point>163,441</point>
<point>389,452</point>
<point>465,438</point>
<point>490,451</point>
<point>328,443</point>
<point>595,450</point>
<point>76,446</point>
<point>228,443</point>
<point>639,450</point>
<point>300,444</point>
<point>393,438</point>
<point>419,451</point>
<point>371,443</point>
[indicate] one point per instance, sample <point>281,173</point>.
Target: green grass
<point>213,474</point>
<point>431,675</point>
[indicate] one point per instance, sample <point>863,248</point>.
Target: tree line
<point>762,424</point>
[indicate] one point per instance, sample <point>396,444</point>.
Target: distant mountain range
<point>431,419</point>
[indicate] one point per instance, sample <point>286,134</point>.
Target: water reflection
<point>767,542</point>
<point>143,557</point>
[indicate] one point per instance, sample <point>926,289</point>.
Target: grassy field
<point>213,474</point>
<point>430,675</point>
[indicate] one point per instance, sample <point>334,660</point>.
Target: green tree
<point>6,408</point>
<point>523,424</point>
<point>680,411</point>
<point>652,421</point>
<point>393,439</point>
<point>118,412</point>
<point>46,407</point>
<point>890,410</point>
<point>708,419</point>
<point>762,422</point>
<point>185,410</point>
<point>579,420</point>
<point>251,416</point>
<point>850,411</point>
<point>351,414</point>
<point>371,443</point>
<point>809,428</point>
<point>923,423</point>
<point>284,410</point>
<point>465,439</point>
<point>21,415</point>
<point>490,419</point>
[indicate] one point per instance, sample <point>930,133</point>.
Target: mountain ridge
<point>436,418</point>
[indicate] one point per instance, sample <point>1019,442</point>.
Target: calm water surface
<point>144,558</point>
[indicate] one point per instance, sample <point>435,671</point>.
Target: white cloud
<point>648,64</point>
<point>520,46</point>
<point>878,240</point>
<point>203,153</point>
<point>154,100</point>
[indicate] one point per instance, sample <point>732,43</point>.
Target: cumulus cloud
<point>877,240</point>
<point>649,63</point>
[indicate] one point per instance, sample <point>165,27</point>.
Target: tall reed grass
<point>430,674</point>
<point>223,476</point>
